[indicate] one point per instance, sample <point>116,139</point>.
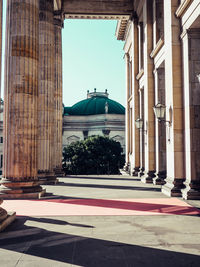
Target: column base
<point>136,171</point>
<point>160,178</point>
<point>141,172</point>
<point>37,195</point>
<point>192,190</point>
<point>12,189</point>
<point>47,178</point>
<point>148,178</point>
<point>127,167</point>
<point>59,172</point>
<point>173,187</point>
<point>6,218</point>
<point>11,216</point>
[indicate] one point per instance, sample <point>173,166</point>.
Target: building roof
<point>96,103</point>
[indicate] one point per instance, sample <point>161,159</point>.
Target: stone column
<point>5,219</point>
<point>46,92</point>
<point>142,133</point>
<point>174,101</point>
<point>160,128</point>
<point>1,14</point>
<point>58,24</point>
<point>191,57</point>
<point>149,95</point>
<point>20,178</point>
<point>126,167</point>
<point>136,132</point>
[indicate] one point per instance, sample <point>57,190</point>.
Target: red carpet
<point>67,207</point>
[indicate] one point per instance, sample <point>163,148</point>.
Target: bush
<point>95,155</point>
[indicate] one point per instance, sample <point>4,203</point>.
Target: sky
<point>92,58</point>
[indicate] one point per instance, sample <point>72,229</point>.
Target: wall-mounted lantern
<point>159,111</point>
<point>198,77</point>
<point>139,123</point>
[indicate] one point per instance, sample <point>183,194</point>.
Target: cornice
<point>96,16</point>
<point>121,28</point>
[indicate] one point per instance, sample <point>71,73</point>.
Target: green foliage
<point>95,155</point>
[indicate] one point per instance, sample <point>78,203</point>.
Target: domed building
<point>95,115</point>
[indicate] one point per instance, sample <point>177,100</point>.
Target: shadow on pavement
<point>110,186</point>
<point>102,178</point>
<point>58,222</point>
<point>88,252</point>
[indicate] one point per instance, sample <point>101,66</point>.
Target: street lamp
<point>139,123</point>
<point>159,111</point>
<point>198,77</point>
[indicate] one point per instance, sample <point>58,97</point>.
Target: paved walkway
<point>102,221</point>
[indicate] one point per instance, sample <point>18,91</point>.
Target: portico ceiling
<point>120,10</point>
<point>94,7</point>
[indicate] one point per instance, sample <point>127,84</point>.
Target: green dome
<point>95,105</point>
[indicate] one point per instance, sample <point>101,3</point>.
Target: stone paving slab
<point>133,241</point>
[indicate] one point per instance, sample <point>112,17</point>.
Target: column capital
<point>134,18</point>
<point>59,22</point>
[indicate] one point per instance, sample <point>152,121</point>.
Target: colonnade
<point>33,98</point>
<point>162,55</point>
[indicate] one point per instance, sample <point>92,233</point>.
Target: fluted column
<point>149,118</point>
<point>191,59</point>
<point>3,213</point>
<point>1,14</point>
<point>174,101</point>
<point>136,132</point>
<point>58,24</point>
<point>46,92</point>
<point>21,94</point>
<point>127,114</point>
<point>5,219</point>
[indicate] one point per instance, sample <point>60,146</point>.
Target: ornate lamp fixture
<point>159,110</point>
<point>198,77</point>
<point>139,123</point>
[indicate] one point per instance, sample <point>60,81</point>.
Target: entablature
<point>57,5</point>
<point>97,7</point>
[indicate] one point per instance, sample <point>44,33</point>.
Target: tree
<point>95,155</point>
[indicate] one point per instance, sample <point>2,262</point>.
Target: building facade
<point>96,115</point>
<point>162,54</point>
